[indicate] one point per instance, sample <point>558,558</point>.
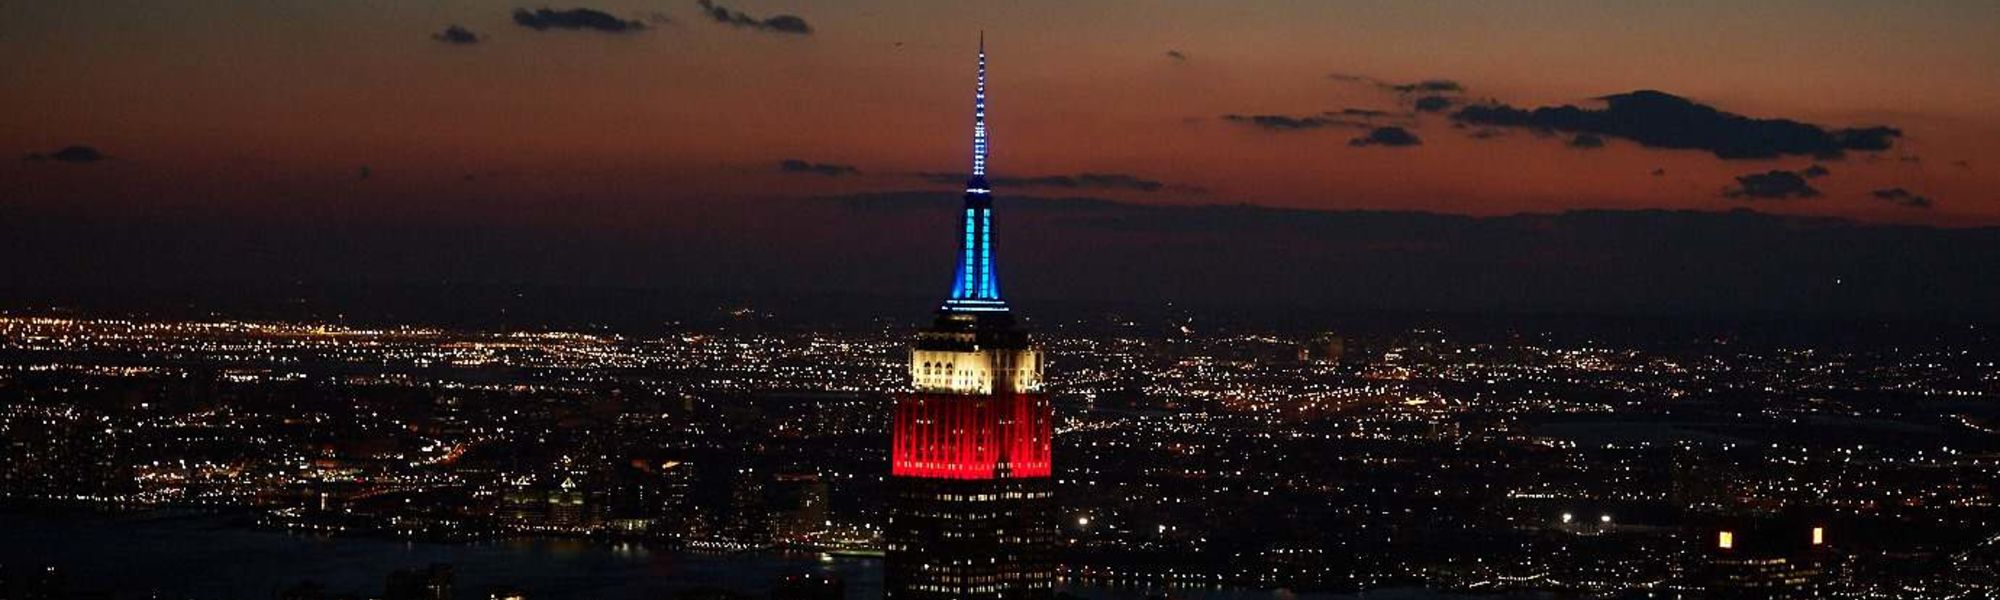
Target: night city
<point>703,300</point>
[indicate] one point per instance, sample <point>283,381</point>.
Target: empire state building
<point>972,513</point>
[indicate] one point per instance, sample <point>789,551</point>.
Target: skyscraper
<point>972,510</point>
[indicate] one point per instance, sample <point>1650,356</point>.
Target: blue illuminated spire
<point>976,288</point>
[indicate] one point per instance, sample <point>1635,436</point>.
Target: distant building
<point>1764,558</point>
<point>798,504</point>
<point>749,517</point>
<point>524,505</point>
<point>567,506</point>
<point>680,515</point>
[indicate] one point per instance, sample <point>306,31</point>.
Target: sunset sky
<point>278,106</point>
<point>682,119</point>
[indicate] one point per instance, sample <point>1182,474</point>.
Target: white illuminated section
<point>975,305</point>
<point>986,371</point>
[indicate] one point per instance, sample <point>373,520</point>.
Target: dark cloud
<point>1815,172</point>
<point>1288,123</point>
<point>1771,185</point>
<point>1586,141</point>
<point>576,19</point>
<point>1659,172</point>
<point>1177,56</point>
<point>1387,136</point>
<point>457,35</point>
<point>364,173</point>
<point>1434,86</point>
<point>1429,85</point>
<point>69,154</point>
<point>1363,112</point>
<point>1902,197</point>
<point>1487,133</point>
<point>1098,181</point>
<point>778,24</point>
<point>793,165</point>
<point>1661,120</point>
<point>1432,104</point>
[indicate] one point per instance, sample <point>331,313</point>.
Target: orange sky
<point>276,106</point>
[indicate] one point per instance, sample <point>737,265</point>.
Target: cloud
<point>1387,136</point>
<point>1771,185</point>
<point>456,35</point>
<point>1902,197</point>
<point>1429,85</point>
<point>69,154</point>
<point>779,24</point>
<point>1661,120</point>
<point>1815,172</point>
<point>1659,171</point>
<point>793,165</point>
<point>1080,181</point>
<point>1363,112</point>
<point>1290,123</point>
<point>575,19</point>
<point>1435,86</point>
<point>1179,57</point>
<point>1432,104</point>
<point>1586,141</point>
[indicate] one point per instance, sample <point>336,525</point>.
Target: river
<point>219,557</point>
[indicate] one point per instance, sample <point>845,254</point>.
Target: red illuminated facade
<point>952,436</point>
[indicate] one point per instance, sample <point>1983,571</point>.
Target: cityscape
<point>637,372</point>
<point>1184,460</point>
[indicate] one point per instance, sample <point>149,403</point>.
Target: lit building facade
<point>972,512</point>
<point>1766,558</point>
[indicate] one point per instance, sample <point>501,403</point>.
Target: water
<point>218,557</point>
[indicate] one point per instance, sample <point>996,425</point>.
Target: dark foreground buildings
<point>971,514</point>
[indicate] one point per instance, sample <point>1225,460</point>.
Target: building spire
<point>975,288</point>
<point>979,114</point>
